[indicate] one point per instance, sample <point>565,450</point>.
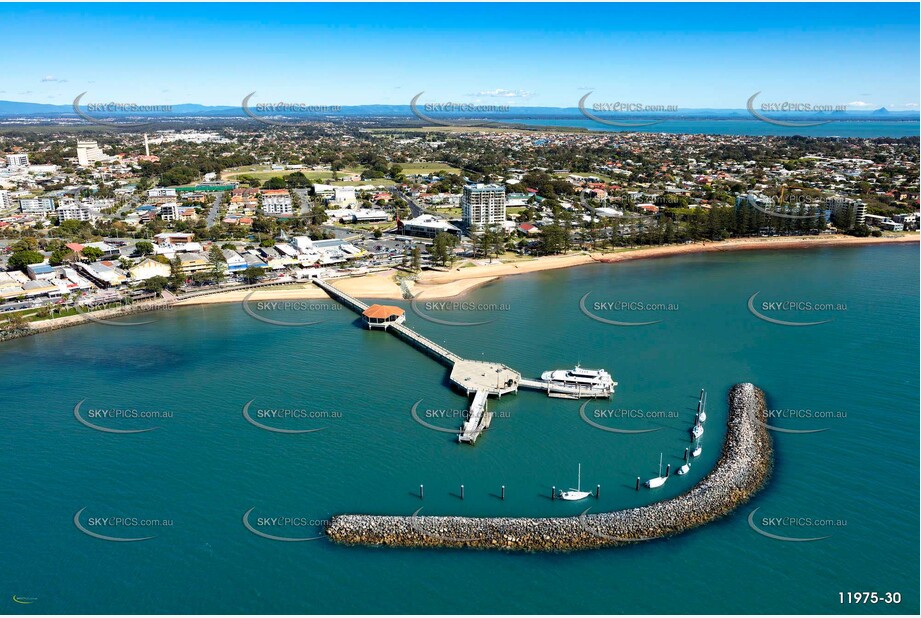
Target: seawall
<point>744,466</point>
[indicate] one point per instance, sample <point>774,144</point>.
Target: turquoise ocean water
<point>205,466</point>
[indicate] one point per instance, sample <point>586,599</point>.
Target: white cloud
<point>503,94</point>
<point>859,104</point>
<point>52,78</point>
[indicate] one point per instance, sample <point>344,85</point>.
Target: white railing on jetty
<point>353,303</point>
<point>424,342</point>
<point>477,419</point>
<point>440,352</point>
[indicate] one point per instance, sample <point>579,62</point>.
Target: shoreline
<point>438,285</point>
<point>744,467</point>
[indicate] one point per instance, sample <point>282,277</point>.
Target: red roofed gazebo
<point>382,316</point>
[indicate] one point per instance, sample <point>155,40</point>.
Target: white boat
<point>687,465</point>
<point>659,480</point>
<point>703,405</point>
<point>576,494</point>
<point>589,378</point>
<point>697,430</point>
<point>697,450</point>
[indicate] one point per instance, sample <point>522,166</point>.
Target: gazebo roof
<point>382,312</point>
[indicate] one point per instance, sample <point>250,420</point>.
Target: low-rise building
<point>358,215</point>
<point>427,226</point>
<point>42,271</point>
<point>147,268</point>
<point>109,252</point>
<point>344,195</point>
<point>909,221</point>
<point>192,262</point>
<point>883,223</point>
<point>173,238</point>
<point>104,274</point>
<point>235,261</point>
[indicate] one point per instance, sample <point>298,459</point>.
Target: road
<point>215,209</point>
<point>586,205</point>
<point>414,209</point>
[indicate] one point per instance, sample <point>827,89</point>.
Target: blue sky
<point>690,55</point>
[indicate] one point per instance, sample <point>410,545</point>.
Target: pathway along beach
<point>744,467</point>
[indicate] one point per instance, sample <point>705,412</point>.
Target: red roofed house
<point>528,228</point>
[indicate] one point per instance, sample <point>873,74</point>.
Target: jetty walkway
<point>482,379</point>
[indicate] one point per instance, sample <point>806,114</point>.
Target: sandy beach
<point>436,284</point>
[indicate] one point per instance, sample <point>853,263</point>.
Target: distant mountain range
<point>43,110</point>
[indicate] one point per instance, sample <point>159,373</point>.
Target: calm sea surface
<point>204,466</point>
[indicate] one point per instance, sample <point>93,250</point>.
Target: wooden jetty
<point>479,378</point>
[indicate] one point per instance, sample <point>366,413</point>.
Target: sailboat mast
<point>579,482</point>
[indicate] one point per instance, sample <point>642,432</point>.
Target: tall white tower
<point>146,146</point>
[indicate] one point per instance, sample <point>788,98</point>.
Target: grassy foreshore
<point>744,466</point>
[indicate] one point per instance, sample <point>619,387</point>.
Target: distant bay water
<point>190,481</point>
<point>747,126</point>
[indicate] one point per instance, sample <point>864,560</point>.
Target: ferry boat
<point>595,379</point>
